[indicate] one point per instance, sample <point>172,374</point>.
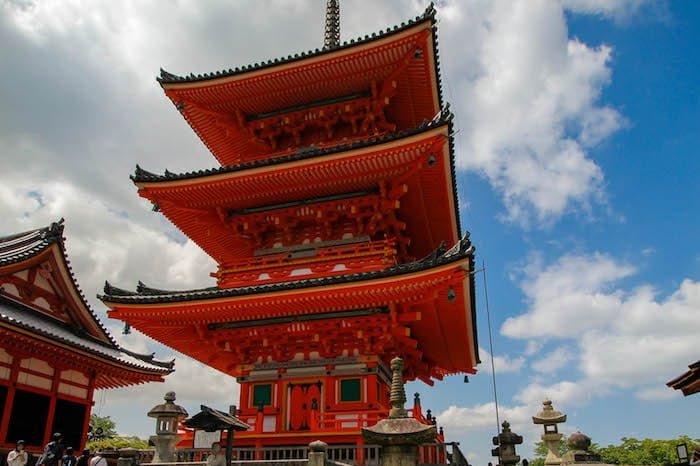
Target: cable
<point>493,366</point>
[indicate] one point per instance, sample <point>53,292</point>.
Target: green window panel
<point>350,390</point>
<point>262,395</point>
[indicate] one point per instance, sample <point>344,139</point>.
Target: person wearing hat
<point>53,451</point>
<point>98,459</point>
<point>17,457</point>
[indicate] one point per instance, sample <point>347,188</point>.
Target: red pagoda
<point>54,352</point>
<point>334,222</point>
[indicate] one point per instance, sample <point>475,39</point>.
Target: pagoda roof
<point>399,67</point>
<point>444,117</point>
<point>688,382</point>
<point>13,313</point>
<point>147,295</point>
<point>42,250</point>
<point>304,175</point>
<point>428,15</point>
<point>435,294</point>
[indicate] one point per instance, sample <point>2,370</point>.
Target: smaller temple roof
<point>19,315</point>
<point>688,382</point>
<point>210,420</point>
<point>145,295</point>
<point>29,249</point>
<point>20,246</point>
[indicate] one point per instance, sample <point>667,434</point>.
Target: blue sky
<point>578,131</point>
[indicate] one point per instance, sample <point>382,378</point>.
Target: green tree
<point>105,437</point>
<point>541,452</point>
<point>102,427</point>
<point>119,442</point>
<point>645,451</point>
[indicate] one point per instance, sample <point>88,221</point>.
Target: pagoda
<point>334,222</point>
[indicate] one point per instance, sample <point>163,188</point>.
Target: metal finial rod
<point>398,394</point>
<point>332,36</point>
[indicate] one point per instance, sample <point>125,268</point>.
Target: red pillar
<point>88,408</point>
<point>52,404</point>
<point>7,410</point>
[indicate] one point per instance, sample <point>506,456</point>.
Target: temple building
<point>333,218</point>
<point>54,352</point>
<point>688,382</point>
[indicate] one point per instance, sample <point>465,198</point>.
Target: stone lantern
<point>579,452</point>
<point>505,449</point>
<point>168,416</point>
<point>549,418</point>
<point>399,435</point>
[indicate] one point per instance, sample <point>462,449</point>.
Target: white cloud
<point>568,296</point>
<point>661,393</point>
<point>619,334</point>
<point>503,364</point>
<point>483,415</point>
<point>553,360</point>
<point>528,102</point>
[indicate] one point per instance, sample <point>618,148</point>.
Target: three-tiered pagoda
<point>334,222</point>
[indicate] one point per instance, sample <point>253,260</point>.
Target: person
<point>216,458</point>
<point>17,457</point>
<point>98,459</point>
<point>84,458</point>
<point>53,451</point>
<point>69,458</point>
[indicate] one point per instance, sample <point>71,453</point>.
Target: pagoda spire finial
<point>332,36</point>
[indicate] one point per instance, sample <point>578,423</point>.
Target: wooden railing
<point>365,256</point>
<point>356,455</point>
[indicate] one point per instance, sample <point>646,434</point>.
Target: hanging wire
<point>493,366</point>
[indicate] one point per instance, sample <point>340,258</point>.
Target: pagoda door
<point>304,402</point>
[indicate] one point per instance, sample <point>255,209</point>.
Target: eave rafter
<point>108,375</point>
<point>321,123</point>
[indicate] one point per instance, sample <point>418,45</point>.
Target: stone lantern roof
<point>169,408</point>
<point>548,415</point>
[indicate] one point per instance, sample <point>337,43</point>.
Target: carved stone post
<point>399,435</point>
<point>317,453</point>
<point>506,441</point>
<point>128,457</point>
<point>549,418</point>
<point>167,416</point>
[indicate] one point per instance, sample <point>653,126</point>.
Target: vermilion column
<point>52,404</point>
<point>88,408</point>
<point>7,410</point>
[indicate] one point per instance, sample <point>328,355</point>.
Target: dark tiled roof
<point>445,116</point>
<point>428,15</point>
<point>211,419</point>
<point>22,246</point>
<point>19,315</point>
<point>688,382</point>
<point>439,257</point>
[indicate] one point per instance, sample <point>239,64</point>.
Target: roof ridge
<point>442,117</point>
<point>428,14</point>
<point>463,248</point>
